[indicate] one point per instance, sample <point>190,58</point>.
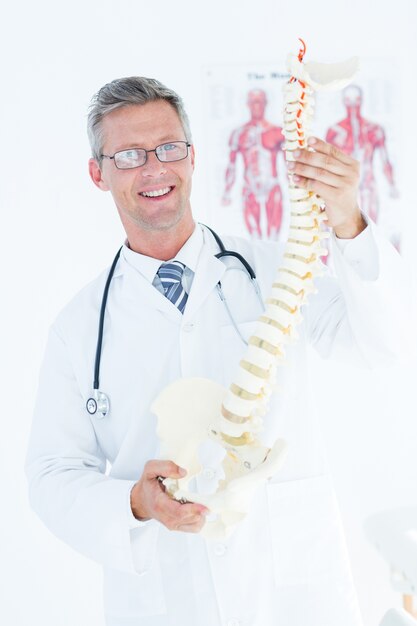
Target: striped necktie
<point>170,275</point>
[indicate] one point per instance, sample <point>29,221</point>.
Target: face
<point>146,126</point>
<point>257,103</point>
<point>352,98</point>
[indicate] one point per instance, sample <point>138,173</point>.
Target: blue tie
<point>170,275</point>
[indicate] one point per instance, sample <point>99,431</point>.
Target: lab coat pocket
<point>306,535</point>
<point>133,596</point>
<point>142,594</point>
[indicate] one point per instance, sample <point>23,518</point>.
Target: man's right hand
<point>149,500</point>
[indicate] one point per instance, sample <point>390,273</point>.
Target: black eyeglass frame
<point>106,156</point>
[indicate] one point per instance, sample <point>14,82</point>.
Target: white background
<point>58,231</point>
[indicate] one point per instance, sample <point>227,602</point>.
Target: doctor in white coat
<point>94,481</point>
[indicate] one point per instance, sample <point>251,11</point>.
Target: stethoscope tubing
<point>96,384</point>
<point>100,403</point>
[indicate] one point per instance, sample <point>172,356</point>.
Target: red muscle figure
<point>361,139</point>
<point>258,141</point>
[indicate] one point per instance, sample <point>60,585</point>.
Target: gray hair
<point>123,92</point>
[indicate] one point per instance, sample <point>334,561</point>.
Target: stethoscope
<point>99,403</point>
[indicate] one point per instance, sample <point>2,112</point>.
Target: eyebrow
<point>169,138</point>
<point>164,139</point>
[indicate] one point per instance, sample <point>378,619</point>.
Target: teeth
<point>154,194</point>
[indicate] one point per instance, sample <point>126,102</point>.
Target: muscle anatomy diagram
<point>363,140</point>
<point>259,143</point>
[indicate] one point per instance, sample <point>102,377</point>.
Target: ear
<point>192,153</point>
<point>96,175</point>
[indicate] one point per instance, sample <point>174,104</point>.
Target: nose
<point>153,166</point>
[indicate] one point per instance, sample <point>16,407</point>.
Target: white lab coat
<point>286,563</point>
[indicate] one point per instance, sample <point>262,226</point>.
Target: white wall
<point>58,231</point>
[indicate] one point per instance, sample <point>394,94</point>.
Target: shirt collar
<point>148,266</point>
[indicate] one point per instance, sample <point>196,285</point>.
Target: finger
<point>194,509</point>
<point>177,504</point>
<point>167,469</point>
<point>173,523</point>
<point>191,528</point>
<point>326,148</point>
<point>167,505</point>
<point>320,161</point>
<point>325,191</point>
<point>177,510</point>
<point>302,171</point>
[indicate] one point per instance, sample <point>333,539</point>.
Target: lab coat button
<point>209,473</point>
<point>220,550</point>
<point>233,622</point>
<point>188,327</point>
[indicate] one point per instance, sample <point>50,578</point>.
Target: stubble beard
<point>159,223</point>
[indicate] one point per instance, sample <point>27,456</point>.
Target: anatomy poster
<point>247,180</point>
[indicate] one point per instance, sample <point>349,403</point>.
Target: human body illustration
<point>363,140</point>
<point>259,142</point>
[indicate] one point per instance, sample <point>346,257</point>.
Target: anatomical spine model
<point>190,411</point>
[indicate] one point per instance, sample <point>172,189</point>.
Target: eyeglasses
<point>135,157</point>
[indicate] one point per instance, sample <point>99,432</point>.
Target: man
<point>286,561</point>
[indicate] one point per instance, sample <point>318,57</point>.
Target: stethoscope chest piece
<point>99,405</point>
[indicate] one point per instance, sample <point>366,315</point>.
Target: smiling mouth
<point>156,193</point>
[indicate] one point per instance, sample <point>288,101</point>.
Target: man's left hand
<point>334,176</point>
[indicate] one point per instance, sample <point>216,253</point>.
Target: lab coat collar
<point>208,272</point>
<point>197,253</point>
<point>135,287</point>
<point>148,266</point>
